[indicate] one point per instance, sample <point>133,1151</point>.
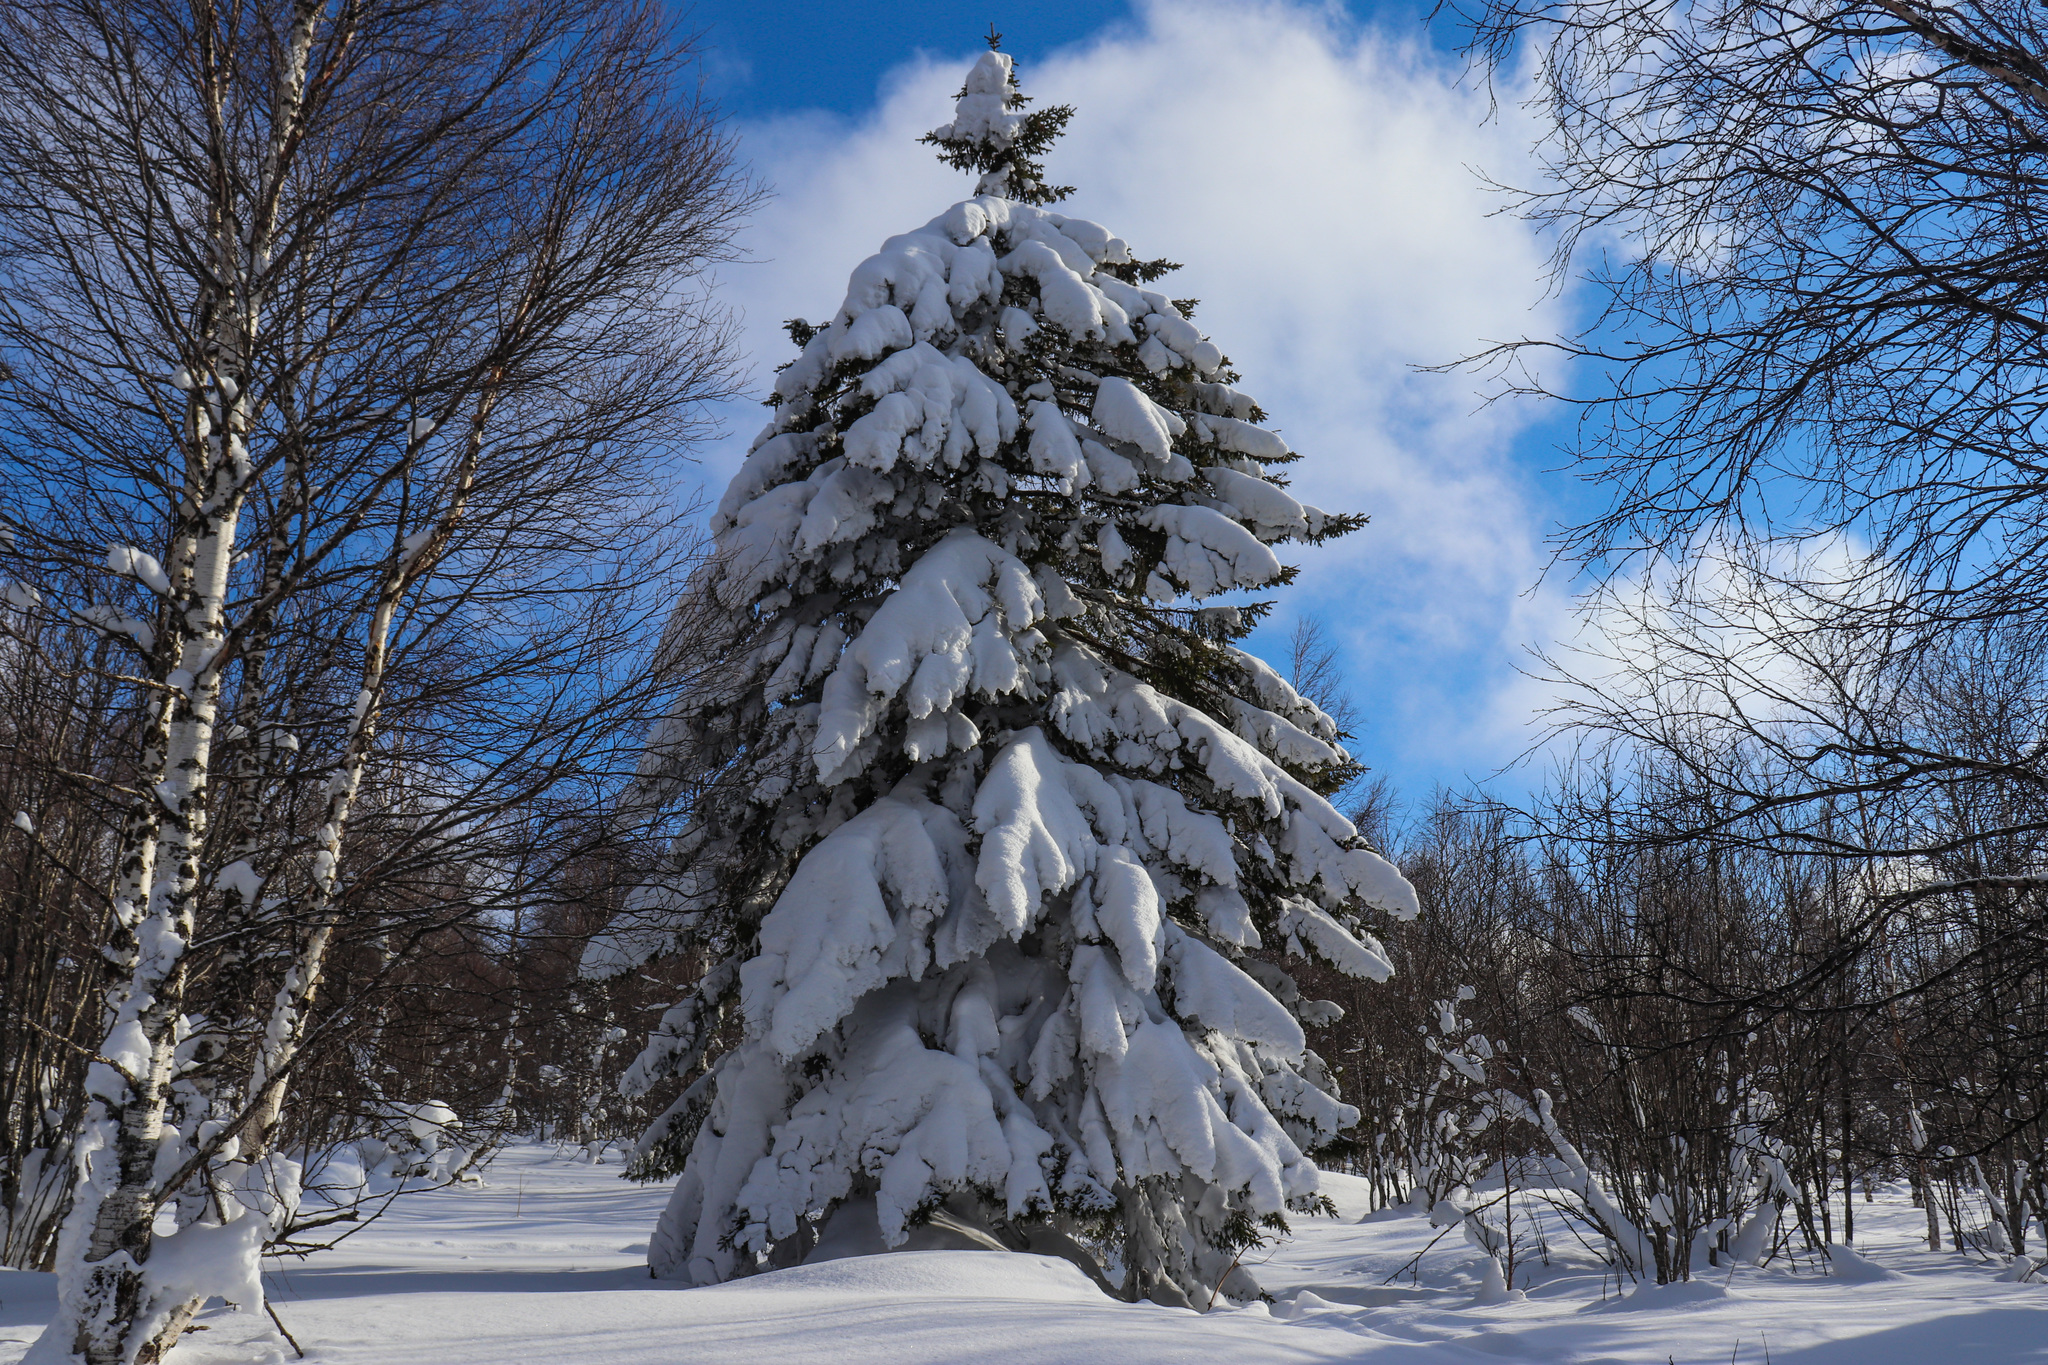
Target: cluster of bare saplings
<point>1692,1012</point>
<point>1729,1041</point>
<point>450,976</point>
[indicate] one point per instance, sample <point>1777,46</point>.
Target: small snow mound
<point>430,1123</point>
<point>1660,1297</point>
<point>1007,1275</point>
<point>2020,1270</point>
<point>1416,1205</point>
<point>1493,1288</point>
<point>340,1178</point>
<point>1307,1303</point>
<point>1851,1267</point>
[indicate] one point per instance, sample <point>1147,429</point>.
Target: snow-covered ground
<point>545,1263</point>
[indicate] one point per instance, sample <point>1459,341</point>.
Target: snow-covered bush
<point>1535,1056</point>
<point>993,810</point>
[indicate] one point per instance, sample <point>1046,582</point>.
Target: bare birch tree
<point>345,342</point>
<point>1815,233</point>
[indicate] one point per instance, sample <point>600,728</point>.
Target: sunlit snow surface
<point>544,1264</point>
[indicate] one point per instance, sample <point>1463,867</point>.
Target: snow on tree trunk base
<point>961,1223</point>
<point>994,808</point>
<point>120,1309</point>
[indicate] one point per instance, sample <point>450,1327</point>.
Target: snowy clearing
<point>546,1262</point>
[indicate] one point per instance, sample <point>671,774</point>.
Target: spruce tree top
<point>993,814</point>
<point>990,134</point>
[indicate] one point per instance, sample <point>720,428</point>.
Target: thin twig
<point>271,1309</point>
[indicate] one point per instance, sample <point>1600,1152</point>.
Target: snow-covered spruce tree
<point>993,810</point>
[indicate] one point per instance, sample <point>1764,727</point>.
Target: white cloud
<point>1738,634</point>
<point>1317,182</point>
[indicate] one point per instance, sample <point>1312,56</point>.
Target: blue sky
<point>767,57</point>
<point>1315,168</point>
<point>763,58</point>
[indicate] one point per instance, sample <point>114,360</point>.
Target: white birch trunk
<point>105,1296</point>
<point>110,1312</point>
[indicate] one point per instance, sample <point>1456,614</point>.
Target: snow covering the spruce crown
<point>982,111</point>
<point>1010,970</point>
